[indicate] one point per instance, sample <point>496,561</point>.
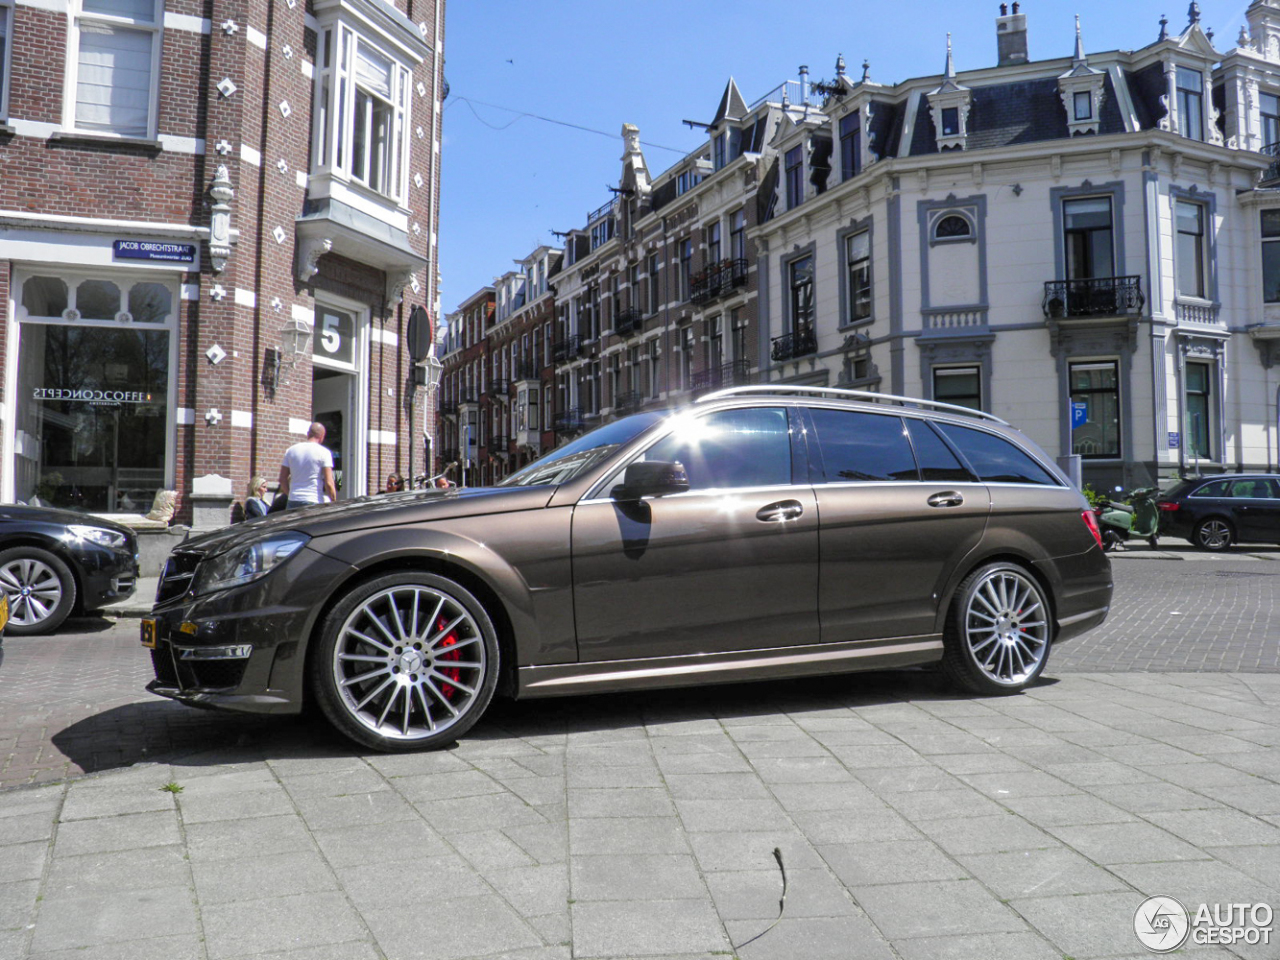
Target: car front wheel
<point>998,631</point>
<point>40,588</point>
<point>1214,534</point>
<point>407,661</point>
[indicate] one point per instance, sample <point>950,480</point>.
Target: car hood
<point>18,513</point>
<point>382,510</point>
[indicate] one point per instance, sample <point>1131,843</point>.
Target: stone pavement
<point>911,823</point>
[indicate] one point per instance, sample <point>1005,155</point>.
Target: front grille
<point>175,579</point>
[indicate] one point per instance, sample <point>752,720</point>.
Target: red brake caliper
<point>453,673</point>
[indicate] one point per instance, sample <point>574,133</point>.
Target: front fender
<point>522,561</point>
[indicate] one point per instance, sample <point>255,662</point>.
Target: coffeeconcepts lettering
<point>91,396</point>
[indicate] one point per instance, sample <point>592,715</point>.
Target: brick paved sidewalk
<point>912,824</point>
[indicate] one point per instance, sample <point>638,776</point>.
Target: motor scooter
<point>1121,521</point>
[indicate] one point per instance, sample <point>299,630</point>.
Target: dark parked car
<point>755,534</point>
<point>1215,512</point>
<point>56,562</point>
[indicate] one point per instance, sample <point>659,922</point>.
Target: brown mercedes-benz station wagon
<point>760,532</point>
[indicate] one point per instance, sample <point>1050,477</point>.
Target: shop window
<point>1095,410</point>
<point>1271,256</point>
<point>115,60</point>
<point>92,412</point>
<point>98,300</point>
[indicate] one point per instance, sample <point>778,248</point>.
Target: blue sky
<point>508,180</point>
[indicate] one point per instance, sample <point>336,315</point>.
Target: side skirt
<point>815,660</point>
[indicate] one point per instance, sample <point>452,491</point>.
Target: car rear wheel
<point>1214,534</point>
<point>407,661</point>
<point>40,588</point>
<point>998,631</point>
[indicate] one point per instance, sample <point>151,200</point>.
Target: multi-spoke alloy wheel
<point>40,589</point>
<point>999,630</point>
<point>1214,534</point>
<point>407,661</point>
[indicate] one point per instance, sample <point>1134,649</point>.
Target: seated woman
<point>254,504</point>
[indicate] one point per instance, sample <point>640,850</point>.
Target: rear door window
<point>1216,489</point>
<point>862,447</point>
<point>937,463</point>
<point>730,448</point>
<point>995,459</point>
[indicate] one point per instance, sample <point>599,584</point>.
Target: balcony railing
<point>448,408</point>
<point>467,395</point>
<point>498,386</point>
<point>528,370</point>
<point>1099,297</point>
<point>792,345</point>
<point>497,443</point>
<point>568,421</point>
<point>718,279</point>
<point>733,374</point>
<point>627,402</point>
<point>566,348</point>
<point>1271,150</point>
<point>627,322</point>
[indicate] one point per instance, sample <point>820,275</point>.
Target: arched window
<point>952,227</point>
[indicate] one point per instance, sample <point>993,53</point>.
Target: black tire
<point>50,590</point>
<point>1153,543</point>
<point>1214,534</point>
<point>995,600</point>
<point>382,670</point>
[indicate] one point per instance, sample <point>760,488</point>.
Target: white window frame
<point>355,474</point>
<point>6,55</point>
<point>155,28</point>
<point>334,96</point>
<point>18,316</point>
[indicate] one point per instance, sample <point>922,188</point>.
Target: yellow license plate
<point>149,633</point>
<point>4,611</point>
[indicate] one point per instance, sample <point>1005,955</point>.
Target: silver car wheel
<point>33,588</point>
<point>1215,535</point>
<point>409,662</point>
<point>1006,627</point>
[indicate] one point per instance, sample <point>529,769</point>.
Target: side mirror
<point>651,478</point>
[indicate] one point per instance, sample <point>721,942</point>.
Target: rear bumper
<point>1082,588</point>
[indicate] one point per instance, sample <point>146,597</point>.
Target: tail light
<point>1091,522</point>
<point>1168,505</point>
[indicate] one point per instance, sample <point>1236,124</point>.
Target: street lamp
<point>295,336</point>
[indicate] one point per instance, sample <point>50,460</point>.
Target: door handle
<point>950,498</point>
<point>782,510</point>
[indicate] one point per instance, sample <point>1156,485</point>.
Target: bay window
<point>114,66</point>
<point>362,112</point>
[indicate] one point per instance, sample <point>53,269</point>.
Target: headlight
<point>104,538</point>
<point>246,563</point>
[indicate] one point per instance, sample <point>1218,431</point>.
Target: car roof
<point>868,400</point>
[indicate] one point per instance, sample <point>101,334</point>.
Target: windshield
<point>577,456</point>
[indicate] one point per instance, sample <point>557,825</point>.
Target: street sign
<point>1175,440</point>
<point>1079,413</point>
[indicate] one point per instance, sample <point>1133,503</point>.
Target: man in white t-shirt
<point>306,476</point>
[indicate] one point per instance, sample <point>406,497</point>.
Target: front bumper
<point>106,576</point>
<point>243,649</point>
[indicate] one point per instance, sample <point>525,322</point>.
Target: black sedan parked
<point>56,562</point>
<point>1215,512</point>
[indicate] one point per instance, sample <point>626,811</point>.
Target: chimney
<point>1011,36</point>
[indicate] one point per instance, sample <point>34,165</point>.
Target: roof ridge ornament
<point>950,72</point>
<point>1164,29</point>
<point>1193,14</point>
<point>1080,54</point>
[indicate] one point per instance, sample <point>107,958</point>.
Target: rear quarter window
<point>1218,488</point>
<point>995,459</point>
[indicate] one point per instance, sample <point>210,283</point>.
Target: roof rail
<point>849,394</point>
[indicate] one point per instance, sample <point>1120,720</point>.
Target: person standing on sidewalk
<point>306,475</point>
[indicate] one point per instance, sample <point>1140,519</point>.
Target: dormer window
<point>850,145</point>
<point>1083,106</point>
<point>1269,111</point>
<point>687,181</point>
<point>949,107</point>
<point>951,121</point>
<point>720,150</point>
<point>1191,102</point>
<point>794,168</point>
<point>1081,91</point>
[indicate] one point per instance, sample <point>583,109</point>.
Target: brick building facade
<point>215,220</point>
